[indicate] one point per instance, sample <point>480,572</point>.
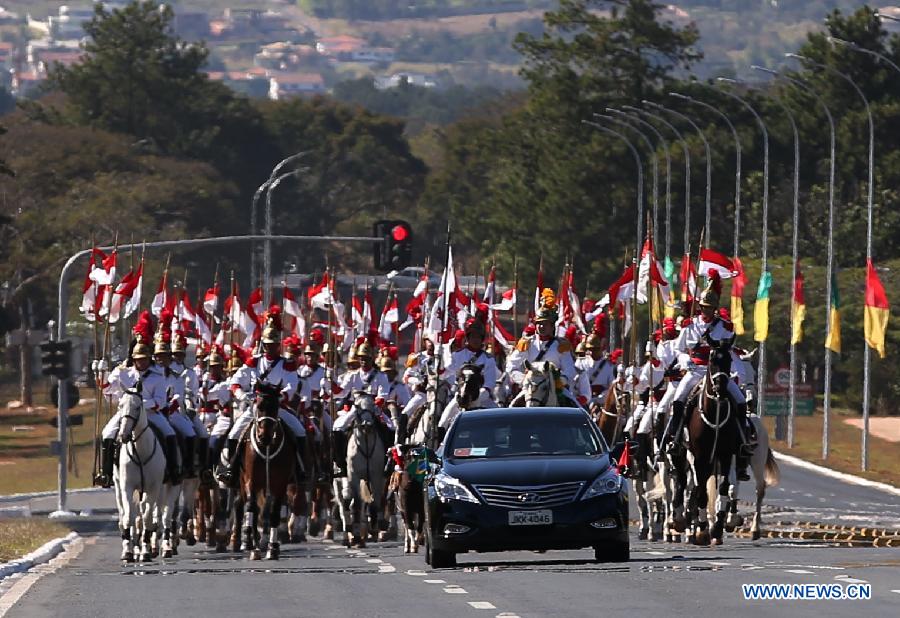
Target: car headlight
<point>449,488</point>
<point>609,482</point>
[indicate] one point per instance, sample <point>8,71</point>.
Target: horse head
<point>266,406</point>
<point>131,408</point>
<point>719,368</point>
<point>364,410</point>
<point>540,383</point>
<point>469,381</point>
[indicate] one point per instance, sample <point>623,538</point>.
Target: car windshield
<point>522,435</point>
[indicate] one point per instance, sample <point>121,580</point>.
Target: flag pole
<point>515,306</point>
<point>433,429</point>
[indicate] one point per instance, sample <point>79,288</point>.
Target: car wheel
<point>613,552</point>
<point>428,548</point>
<point>442,559</point>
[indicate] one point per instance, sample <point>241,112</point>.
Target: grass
<point>26,464</point>
<point>844,447</point>
<point>20,536</point>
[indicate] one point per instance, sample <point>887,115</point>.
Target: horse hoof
<point>642,535</point>
<point>729,528</point>
<point>273,554</point>
<point>191,541</point>
<point>167,553</point>
<point>702,538</point>
<point>174,550</point>
<point>155,553</point>
<point>362,543</point>
<point>146,557</point>
<point>255,555</point>
<point>329,535</point>
<point>755,535</point>
<point>382,537</point>
<point>128,557</point>
<point>716,541</point>
<point>221,548</point>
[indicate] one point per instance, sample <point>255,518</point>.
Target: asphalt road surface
<point>325,579</point>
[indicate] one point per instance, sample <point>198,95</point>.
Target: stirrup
<point>103,480</point>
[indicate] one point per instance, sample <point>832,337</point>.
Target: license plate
<point>530,518</point>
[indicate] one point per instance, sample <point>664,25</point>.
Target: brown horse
<point>267,469</point>
<point>713,438</point>
<point>611,416</point>
<point>406,485</point>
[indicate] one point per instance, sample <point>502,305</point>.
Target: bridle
<point>132,453</point>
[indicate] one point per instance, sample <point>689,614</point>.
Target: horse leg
<point>722,503</point>
<point>237,516</point>
<point>643,509</point>
<point>733,520</point>
<point>251,521</point>
<point>757,516</point>
<point>700,497</point>
<point>274,550</point>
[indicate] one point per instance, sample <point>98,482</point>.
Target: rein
<point>718,399</point>
<point>132,453</point>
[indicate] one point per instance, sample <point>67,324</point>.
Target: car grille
<point>542,496</point>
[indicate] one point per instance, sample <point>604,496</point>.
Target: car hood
<point>527,471</point>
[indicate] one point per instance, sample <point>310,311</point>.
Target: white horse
<point>139,476</point>
<point>364,487</point>
<point>540,386</point>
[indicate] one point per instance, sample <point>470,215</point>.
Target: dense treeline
<point>392,9</point>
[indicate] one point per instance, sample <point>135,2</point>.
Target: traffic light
<point>395,251</point>
<point>55,359</point>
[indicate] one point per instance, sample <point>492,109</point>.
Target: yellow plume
<point>548,299</point>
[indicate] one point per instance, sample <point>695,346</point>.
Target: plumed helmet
<point>364,350</point>
<point>271,332</point>
<point>713,291</point>
<point>179,343</point>
<point>216,357</point>
<point>143,335</point>
<point>162,343</point>
<point>315,343</point>
<point>547,311</point>
<point>386,363</point>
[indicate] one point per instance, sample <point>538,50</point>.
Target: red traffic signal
<point>399,233</point>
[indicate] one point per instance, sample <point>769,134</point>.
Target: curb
<point>41,555</point>
<point>843,476</point>
<point>46,494</point>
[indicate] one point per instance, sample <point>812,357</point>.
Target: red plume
<point>394,352</point>
<point>615,355</point>
<point>600,325</point>
<point>144,326</point>
<point>165,321</point>
<point>481,312</point>
<point>274,314</point>
<point>572,335</point>
<point>317,337</point>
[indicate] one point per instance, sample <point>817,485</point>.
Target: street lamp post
<point>708,152</point>
<point>653,168</point>
<point>267,247</point>
<point>737,163</point>
<point>254,206</point>
<point>635,118</point>
<point>870,206</point>
<point>687,173</point>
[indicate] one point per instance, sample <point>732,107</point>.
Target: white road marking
<point>798,571</point>
<point>386,568</point>
<point>417,573</point>
<point>507,615</point>
<point>843,476</point>
<point>753,568</point>
<point>9,598</point>
<point>718,563</point>
<point>454,589</point>
<point>374,560</point>
<point>435,581</point>
<point>850,580</point>
<point>656,553</point>
<point>897,591</point>
<point>482,605</point>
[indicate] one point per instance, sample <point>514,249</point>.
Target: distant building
<point>192,24</point>
<point>7,56</point>
<point>8,18</point>
<point>385,82</point>
<point>373,54</point>
<point>26,82</point>
<point>288,85</point>
<point>284,55</point>
<point>249,83</point>
<point>339,46</point>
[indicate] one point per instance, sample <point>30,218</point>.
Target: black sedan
<point>524,479</point>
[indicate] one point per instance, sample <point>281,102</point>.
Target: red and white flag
<point>292,308</point>
<point>122,295</point>
<point>414,310</point>
<point>203,328</point>
<point>133,302</point>
<point>539,288</point>
<point>90,289</point>
<point>320,294</point>
<point>105,278</point>
<point>161,299</point>
<point>186,312</point>
<point>649,272</point>
<point>211,299</point>
<point>503,336</point>
<point>713,260</point>
<point>688,278</point>
<point>389,316</point>
<point>443,313</point>
<point>368,314</point>
<point>622,290</point>
<point>507,301</point>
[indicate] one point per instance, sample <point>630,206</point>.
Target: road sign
<point>783,377</point>
<point>778,400</point>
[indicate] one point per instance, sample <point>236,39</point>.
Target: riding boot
<point>173,470</point>
<point>673,428</point>
<point>188,466</point>
<point>339,443</point>
<point>740,468</point>
<point>228,470</point>
<point>107,452</point>
<point>203,457</point>
<point>402,422</point>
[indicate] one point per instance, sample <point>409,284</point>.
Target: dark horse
<point>610,416</point>
<point>713,438</point>
<point>266,471</point>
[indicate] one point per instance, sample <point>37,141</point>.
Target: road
<point>325,579</point>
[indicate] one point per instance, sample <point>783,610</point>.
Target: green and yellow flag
<point>761,308</point>
<point>737,293</point>
<point>833,336</point>
<point>798,308</point>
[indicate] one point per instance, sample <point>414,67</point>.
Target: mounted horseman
<point>140,368</point>
<point>272,369</point>
<point>694,345</point>
<point>596,371</point>
<point>189,406</point>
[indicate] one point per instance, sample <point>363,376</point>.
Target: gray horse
<point>362,491</point>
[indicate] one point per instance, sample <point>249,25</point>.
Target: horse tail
<point>773,472</point>
<point>365,492</point>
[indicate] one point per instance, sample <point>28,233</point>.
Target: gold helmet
<point>581,348</point>
<point>272,328</point>
<point>547,310</point>
<point>179,344</point>
<point>713,291</point>
<point>235,361</point>
<point>141,348</point>
<point>594,342</point>
<point>162,341</point>
<point>364,350</point>
<point>386,363</point>
<point>215,358</point>
<point>143,335</point>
